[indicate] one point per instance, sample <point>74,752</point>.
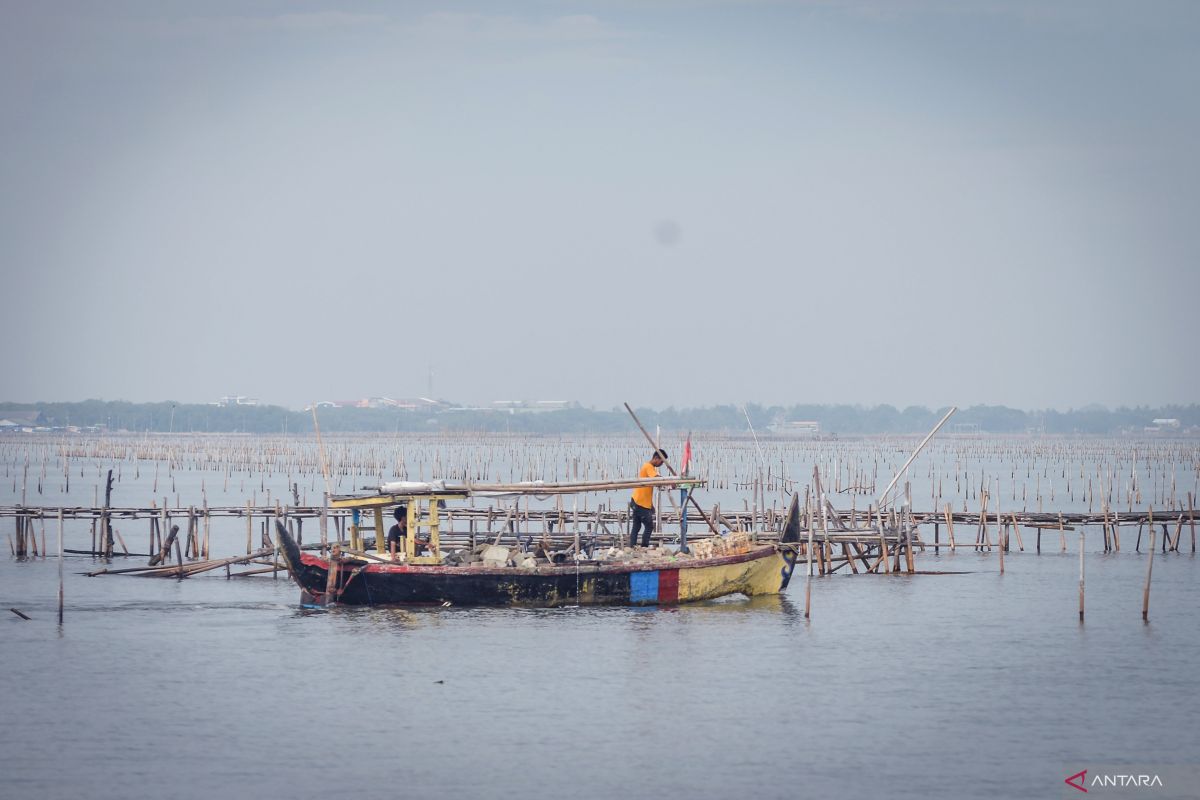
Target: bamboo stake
<point>325,524</point>
<point>60,566</point>
<point>1149,572</point>
<point>1000,533</point>
<point>883,549</point>
<point>907,521</point>
<point>1104,508</point>
<point>207,522</point>
<point>1192,520</point>
<point>808,582</point>
<point>1081,575</point>
<point>178,554</point>
<point>1017,531</point>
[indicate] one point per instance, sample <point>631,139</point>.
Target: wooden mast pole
<point>883,497</point>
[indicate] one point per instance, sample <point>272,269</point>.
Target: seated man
<point>398,532</point>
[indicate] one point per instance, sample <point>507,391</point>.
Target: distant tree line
<point>832,419</point>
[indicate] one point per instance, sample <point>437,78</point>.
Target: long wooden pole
<point>808,581</point>
<point>883,497</point>
<point>1080,574</point>
<point>1149,572</point>
<point>60,566</point>
<point>691,498</point>
<point>321,451</point>
<point>1192,520</point>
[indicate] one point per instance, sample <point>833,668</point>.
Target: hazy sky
<point>902,201</point>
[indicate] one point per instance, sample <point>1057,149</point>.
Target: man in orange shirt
<point>641,505</point>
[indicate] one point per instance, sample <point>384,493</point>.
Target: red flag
<point>687,455</point>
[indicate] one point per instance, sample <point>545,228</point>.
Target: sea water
<point>971,684</point>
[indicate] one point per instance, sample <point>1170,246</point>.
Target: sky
<point>671,202</point>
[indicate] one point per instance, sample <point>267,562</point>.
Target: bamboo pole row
<point>847,527</point>
<point>1121,471</point>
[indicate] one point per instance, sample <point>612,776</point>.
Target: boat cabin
<point>423,513</point>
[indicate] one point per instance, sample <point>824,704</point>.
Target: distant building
<point>1162,426</point>
<point>401,404</point>
<point>20,421</point>
<point>532,406</point>
<point>554,405</point>
<point>796,428</point>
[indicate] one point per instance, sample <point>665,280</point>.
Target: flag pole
<point>684,493</point>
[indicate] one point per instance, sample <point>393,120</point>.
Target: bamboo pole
<point>882,499</point>
<point>1017,532</point>
<point>325,524</point>
<point>907,522</point>
<point>60,566</point>
<point>1000,533</point>
<point>1192,520</point>
<point>1149,572</point>
<point>883,549</point>
<point>1104,509</point>
<point>982,529</point>
<point>207,522</point>
<point>1081,575</point>
<point>106,522</point>
<point>808,582</point>
<point>178,554</point>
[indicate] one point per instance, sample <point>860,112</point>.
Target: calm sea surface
<point>973,685</point>
<point>958,685</point>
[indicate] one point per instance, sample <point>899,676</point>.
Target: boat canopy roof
<point>395,492</point>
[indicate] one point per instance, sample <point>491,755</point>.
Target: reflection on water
<point>358,620</point>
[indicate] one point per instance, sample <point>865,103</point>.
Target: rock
<point>494,556</point>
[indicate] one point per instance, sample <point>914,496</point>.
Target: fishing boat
<point>422,572</point>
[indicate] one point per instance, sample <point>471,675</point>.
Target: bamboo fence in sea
<point>998,487</point>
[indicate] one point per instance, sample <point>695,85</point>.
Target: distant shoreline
<point>797,421</point>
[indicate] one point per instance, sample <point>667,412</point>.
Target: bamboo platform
<point>859,534</point>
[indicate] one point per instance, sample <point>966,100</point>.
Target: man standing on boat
<point>641,505</point>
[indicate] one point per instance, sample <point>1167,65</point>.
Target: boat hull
<point>666,582</point>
